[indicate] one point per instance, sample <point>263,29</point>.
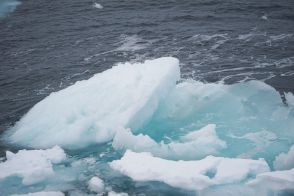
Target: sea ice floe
<point>95,184</point>
<point>33,166</point>
<point>195,144</point>
<point>191,175</point>
<point>112,193</point>
<point>285,161</point>
<point>272,182</point>
<point>42,193</point>
<point>91,111</point>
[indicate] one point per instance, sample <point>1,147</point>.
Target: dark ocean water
<point>48,45</point>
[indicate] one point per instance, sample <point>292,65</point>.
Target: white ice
<point>273,182</point>
<point>195,144</point>
<point>98,6</point>
<point>191,175</point>
<point>42,193</point>
<point>285,161</point>
<point>33,166</point>
<point>95,184</point>
<point>112,193</point>
<point>91,111</point>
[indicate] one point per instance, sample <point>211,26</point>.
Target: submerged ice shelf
<point>141,120</point>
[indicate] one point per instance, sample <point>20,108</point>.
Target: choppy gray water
<point>46,45</point>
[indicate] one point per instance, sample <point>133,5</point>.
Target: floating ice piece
<point>42,193</point>
<point>191,175</point>
<point>112,193</point>
<point>96,185</point>
<point>195,144</point>
<point>98,6</point>
<point>290,98</point>
<point>264,17</point>
<point>275,181</point>
<point>32,166</point>
<point>91,111</point>
<point>285,161</point>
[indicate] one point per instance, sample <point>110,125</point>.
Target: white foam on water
<point>132,43</point>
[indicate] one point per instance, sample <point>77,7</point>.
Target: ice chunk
<point>112,193</point>
<point>96,185</point>
<point>290,98</point>
<point>32,166</point>
<point>91,111</point>
<point>42,193</point>
<point>195,144</point>
<point>98,6</point>
<point>285,161</point>
<point>191,175</point>
<point>273,182</point>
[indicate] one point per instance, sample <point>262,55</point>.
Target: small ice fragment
<point>112,193</point>
<point>96,185</point>
<point>190,175</point>
<point>33,166</point>
<point>285,161</point>
<point>98,6</point>
<point>264,17</point>
<point>42,193</point>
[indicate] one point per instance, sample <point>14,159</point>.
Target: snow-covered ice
<point>285,161</point>
<point>42,193</point>
<point>167,128</point>
<point>91,111</point>
<point>272,182</point>
<point>192,175</point>
<point>33,166</point>
<point>96,185</point>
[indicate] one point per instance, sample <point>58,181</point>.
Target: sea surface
<point>48,45</point>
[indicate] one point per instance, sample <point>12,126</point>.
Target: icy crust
<point>95,184</point>
<point>285,161</point>
<point>195,144</point>
<point>273,182</point>
<point>191,175</point>
<point>33,166</point>
<point>42,193</point>
<point>91,111</point>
